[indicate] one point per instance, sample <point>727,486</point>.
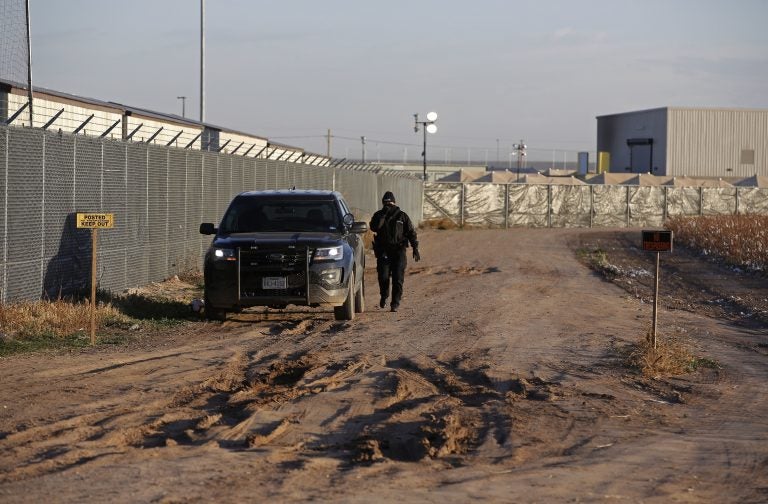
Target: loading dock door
<point>640,155</point>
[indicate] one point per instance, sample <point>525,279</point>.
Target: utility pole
<point>362,139</point>
<point>328,139</point>
<point>183,105</point>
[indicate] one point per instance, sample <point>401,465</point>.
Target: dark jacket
<point>378,221</point>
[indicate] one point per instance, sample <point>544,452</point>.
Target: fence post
<point>549,205</point>
<point>665,212</point>
<point>42,223</point>
<point>627,212</point>
<point>461,207</point>
<point>591,204</point>
<point>506,206</point>
<point>701,200</point>
<point>167,216</point>
<point>4,291</point>
<point>737,200</point>
<point>126,238</point>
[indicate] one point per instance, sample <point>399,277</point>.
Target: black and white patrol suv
<point>285,247</point>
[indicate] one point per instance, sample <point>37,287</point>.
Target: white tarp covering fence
<point>552,205</point>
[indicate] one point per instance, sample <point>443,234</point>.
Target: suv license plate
<point>273,283</point>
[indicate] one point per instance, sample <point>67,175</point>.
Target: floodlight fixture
<point>519,151</point>
<point>427,126</point>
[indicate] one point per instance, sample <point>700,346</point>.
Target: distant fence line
<point>556,206</point>
<point>159,196</point>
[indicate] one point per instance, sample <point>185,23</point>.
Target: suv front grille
<point>288,262</point>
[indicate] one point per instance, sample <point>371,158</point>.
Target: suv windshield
<point>253,215</point>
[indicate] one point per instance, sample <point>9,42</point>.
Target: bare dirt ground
<point>501,378</point>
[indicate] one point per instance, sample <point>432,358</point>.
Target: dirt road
<point>501,378</point>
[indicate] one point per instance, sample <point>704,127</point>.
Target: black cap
<point>388,197</point>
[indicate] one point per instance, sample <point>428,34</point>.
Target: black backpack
<point>393,233</point>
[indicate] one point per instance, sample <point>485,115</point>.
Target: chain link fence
<point>159,196</point>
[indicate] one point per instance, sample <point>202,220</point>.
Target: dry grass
<point>42,325</point>
<point>439,224</point>
<point>53,318</point>
<point>671,357</point>
<point>740,240</point>
<point>37,325</point>
<point>597,259</point>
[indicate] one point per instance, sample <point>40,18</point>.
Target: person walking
<point>393,232</point>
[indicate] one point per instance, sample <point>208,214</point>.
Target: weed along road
<point>504,377</point>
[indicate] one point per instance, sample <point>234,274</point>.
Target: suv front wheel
<point>212,313</point>
<point>347,310</point>
<point>360,297</point>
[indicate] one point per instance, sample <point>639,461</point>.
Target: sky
<point>495,71</point>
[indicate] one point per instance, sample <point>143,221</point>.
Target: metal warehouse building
<point>677,141</point>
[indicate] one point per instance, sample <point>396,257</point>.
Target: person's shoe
<point>393,308</point>
<point>382,302</point>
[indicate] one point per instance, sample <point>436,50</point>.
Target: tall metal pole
<point>183,105</point>
<point>202,61</point>
<point>362,139</point>
<point>29,68</point>
<point>424,154</point>
<point>328,152</point>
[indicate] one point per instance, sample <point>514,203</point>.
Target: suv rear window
<point>249,215</point>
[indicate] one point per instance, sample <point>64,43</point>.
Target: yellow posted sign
<point>96,220</point>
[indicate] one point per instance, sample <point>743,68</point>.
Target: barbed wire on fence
<point>389,151</point>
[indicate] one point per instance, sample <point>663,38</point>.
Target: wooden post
<point>656,241</point>
<point>655,303</point>
<point>94,246</point>
<point>94,221</point>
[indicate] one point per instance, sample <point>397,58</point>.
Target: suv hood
<point>308,239</point>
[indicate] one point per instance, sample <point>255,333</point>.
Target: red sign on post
<point>657,241</point>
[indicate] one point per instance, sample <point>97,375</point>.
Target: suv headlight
<point>223,254</point>
<point>329,253</point>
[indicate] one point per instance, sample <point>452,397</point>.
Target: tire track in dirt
<point>179,418</point>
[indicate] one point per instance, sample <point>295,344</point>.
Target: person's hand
<point>416,255</point>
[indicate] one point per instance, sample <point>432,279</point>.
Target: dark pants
<point>392,264</point>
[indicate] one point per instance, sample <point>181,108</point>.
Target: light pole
<point>183,105</point>
<point>202,61</point>
<point>427,126</point>
<point>519,151</point>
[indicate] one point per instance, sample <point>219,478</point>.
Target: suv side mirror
<point>349,219</point>
<point>207,228</point>
<point>359,227</point>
